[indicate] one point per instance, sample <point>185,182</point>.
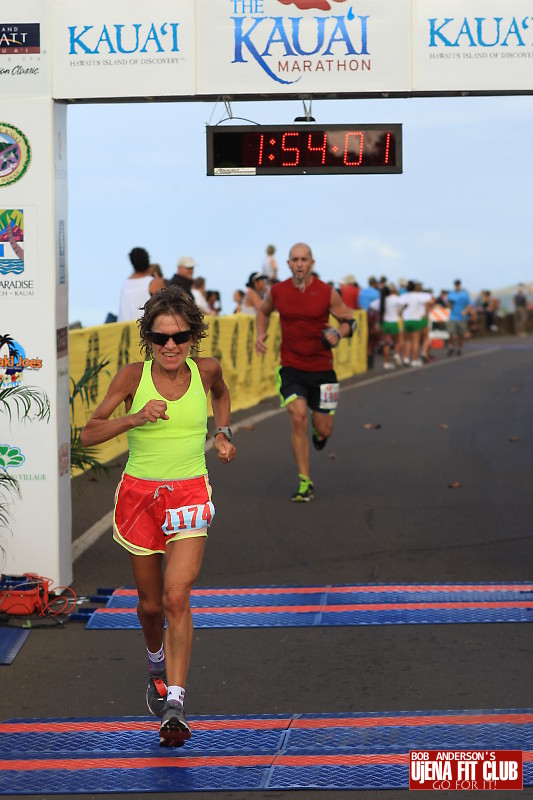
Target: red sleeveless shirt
<point>303,317</point>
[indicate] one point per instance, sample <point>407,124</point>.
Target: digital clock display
<point>306,149</point>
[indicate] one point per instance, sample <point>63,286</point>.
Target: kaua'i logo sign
<point>11,241</point>
<point>13,362</point>
<point>15,154</point>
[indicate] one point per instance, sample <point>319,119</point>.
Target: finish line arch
<point>55,52</point>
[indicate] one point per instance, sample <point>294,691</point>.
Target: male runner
<point>306,377</point>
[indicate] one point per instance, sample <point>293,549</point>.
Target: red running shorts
<point>149,514</point>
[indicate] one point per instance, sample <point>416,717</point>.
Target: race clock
<point>306,149</point>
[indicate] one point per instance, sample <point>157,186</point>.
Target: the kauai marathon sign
<point>285,47</point>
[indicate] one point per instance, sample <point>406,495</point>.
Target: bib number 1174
<point>188,518</point>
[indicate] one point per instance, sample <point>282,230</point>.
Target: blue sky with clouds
<point>461,208</point>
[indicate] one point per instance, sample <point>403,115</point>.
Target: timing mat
<point>11,640</point>
<point>309,606</point>
<point>341,751</point>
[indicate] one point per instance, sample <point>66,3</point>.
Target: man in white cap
<point>183,277</point>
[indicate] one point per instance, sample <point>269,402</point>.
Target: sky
<point>460,209</point>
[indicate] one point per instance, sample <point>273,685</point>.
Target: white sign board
<point>34,335</point>
<point>124,49</point>
<point>479,45</point>
<point>266,46</point>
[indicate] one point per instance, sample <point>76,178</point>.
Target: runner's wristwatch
<point>226,431</point>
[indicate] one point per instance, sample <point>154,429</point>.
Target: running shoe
<point>319,443</point>
<point>174,730</point>
<point>305,491</point>
<point>156,694</point>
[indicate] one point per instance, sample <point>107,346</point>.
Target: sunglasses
<point>162,338</point>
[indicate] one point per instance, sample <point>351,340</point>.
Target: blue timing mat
<point>11,640</point>
<point>342,751</point>
<point>337,605</point>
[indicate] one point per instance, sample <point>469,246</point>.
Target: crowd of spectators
<point>400,315</point>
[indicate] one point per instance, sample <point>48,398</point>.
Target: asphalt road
<point>383,512</point>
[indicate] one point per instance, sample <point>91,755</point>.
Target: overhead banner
<point>202,49</point>
<point>479,45</point>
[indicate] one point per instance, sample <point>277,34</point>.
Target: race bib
<point>188,518</point>
<point>329,396</point>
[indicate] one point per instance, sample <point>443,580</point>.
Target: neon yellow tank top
<point>169,448</point>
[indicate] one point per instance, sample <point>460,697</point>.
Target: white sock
<point>156,658</point>
<point>176,693</point>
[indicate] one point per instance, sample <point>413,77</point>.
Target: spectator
<point>257,284</point>
<point>520,311</point>
<point>392,326</point>
<point>460,307</point>
<point>213,301</point>
<point>371,292</point>
<point>442,299</point>
<point>270,266</point>
<point>139,287</point>
<point>199,295</point>
<point>156,271</point>
<point>349,291</point>
<point>417,304</point>
<point>184,275</point>
<point>238,297</point>
<point>488,306</point>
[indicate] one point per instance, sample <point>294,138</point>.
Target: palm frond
<point>81,388</point>
<point>9,487</point>
<point>29,402</point>
<point>85,458</point>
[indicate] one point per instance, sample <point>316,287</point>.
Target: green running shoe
<point>305,491</point>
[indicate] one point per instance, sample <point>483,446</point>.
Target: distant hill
<point>505,295</point>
